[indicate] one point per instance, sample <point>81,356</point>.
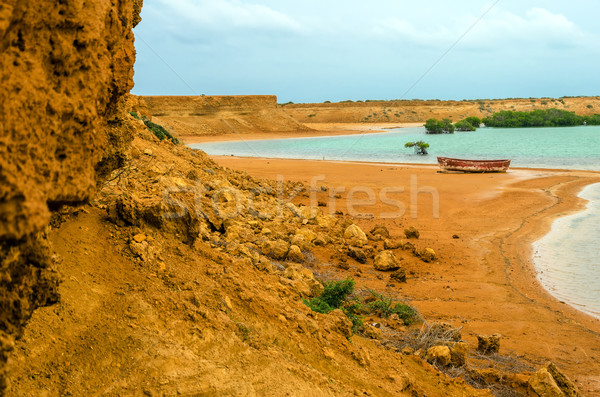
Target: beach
<point>484,279</point>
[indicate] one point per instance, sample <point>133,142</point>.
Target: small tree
<point>420,147</point>
<point>464,125</point>
<point>447,126</point>
<point>434,126</point>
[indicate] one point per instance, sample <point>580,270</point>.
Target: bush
<point>464,126</point>
<point>536,118</point>
<point>434,126</point>
<point>159,131</point>
<point>384,307</point>
<point>334,294</point>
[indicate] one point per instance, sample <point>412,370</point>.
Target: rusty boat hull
<point>464,165</point>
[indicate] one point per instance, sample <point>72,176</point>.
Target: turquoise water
<point>568,258</point>
<point>569,147</point>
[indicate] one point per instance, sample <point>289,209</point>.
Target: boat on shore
<point>463,165</point>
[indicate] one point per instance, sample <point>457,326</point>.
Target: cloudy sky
<point>317,50</point>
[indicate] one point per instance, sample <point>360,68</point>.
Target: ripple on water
<point>567,259</point>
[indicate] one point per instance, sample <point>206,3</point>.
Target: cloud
<point>223,16</point>
<point>537,28</point>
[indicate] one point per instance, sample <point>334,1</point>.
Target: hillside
<point>408,111</point>
<point>215,115</point>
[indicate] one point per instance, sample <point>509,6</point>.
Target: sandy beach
<point>484,280</point>
<point>317,129</point>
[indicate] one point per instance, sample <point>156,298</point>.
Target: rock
<point>439,355</point>
<point>138,238</point>
<point>386,260</point>
<point>543,384</point>
<point>458,353</point>
<point>299,241</point>
<point>148,152</point>
<point>408,246</point>
<point>488,344</point>
<point>411,232</point>
<point>391,244</point>
<point>455,236</point>
<point>564,383</point>
<point>355,236</point>
<point>308,235</point>
<point>372,332</point>
<point>427,255</point>
<point>325,221</point>
<point>280,250</point>
<point>358,254</point>
<point>381,231</point>
<point>295,254</point>
<point>399,275</point>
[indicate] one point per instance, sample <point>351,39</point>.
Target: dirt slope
<point>406,111</point>
<point>215,115</point>
<point>162,297</point>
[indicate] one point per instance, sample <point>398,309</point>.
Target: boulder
<point>543,384</point>
<point>379,232</point>
<point>386,260</point>
<point>295,254</point>
<point>564,383</point>
<point>391,244</point>
<point>439,355</point>
<point>355,236</point>
<point>427,255</point>
<point>399,276</point>
<point>411,232</point>
<point>458,353</point>
<point>358,254</point>
<point>488,344</point>
<point>279,250</point>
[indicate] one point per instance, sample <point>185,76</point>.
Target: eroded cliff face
<point>64,67</point>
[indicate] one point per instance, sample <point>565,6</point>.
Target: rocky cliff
<point>65,66</point>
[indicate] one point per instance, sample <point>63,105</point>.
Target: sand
<point>484,280</point>
<point>317,129</point>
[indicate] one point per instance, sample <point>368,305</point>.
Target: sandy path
<point>483,281</point>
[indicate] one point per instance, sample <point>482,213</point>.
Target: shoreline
<point>319,130</point>
<point>500,216</point>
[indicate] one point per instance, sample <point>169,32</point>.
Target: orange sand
<point>484,280</point>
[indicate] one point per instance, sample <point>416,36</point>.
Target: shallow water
<point>569,147</point>
<point>568,258</point>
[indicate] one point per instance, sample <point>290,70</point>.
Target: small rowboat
<point>450,164</point>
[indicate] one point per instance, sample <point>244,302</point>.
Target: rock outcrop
<point>65,67</point>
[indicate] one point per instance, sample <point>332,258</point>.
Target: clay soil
<point>484,280</point>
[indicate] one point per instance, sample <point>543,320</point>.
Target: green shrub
<point>334,294</point>
<point>384,307</point>
<point>159,131</point>
<point>135,115</point>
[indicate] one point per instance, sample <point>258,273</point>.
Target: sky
<point>319,50</point>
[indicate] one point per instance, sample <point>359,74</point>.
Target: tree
<point>420,147</point>
<point>474,121</point>
<point>434,126</point>
<point>464,125</point>
<point>447,126</point>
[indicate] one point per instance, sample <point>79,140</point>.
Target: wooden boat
<point>450,164</point>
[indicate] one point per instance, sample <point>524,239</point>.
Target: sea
<point>567,259</point>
